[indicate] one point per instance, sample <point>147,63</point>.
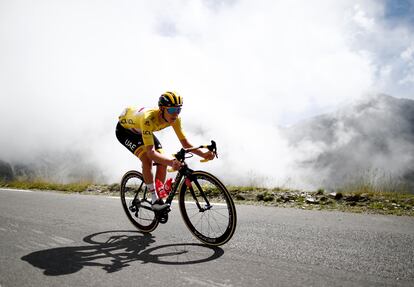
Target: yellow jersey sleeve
<point>178,129</point>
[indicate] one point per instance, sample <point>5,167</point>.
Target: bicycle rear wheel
<point>136,202</point>
<point>207,208</point>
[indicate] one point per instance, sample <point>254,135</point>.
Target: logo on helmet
<point>170,99</point>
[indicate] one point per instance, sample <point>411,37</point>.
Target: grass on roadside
<point>43,185</point>
<point>359,198</point>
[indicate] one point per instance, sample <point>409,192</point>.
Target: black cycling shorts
<point>133,141</point>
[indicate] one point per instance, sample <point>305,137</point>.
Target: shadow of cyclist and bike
<point>115,250</point>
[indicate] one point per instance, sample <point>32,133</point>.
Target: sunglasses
<point>174,110</point>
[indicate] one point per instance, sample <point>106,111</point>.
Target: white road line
<point>37,244</point>
<point>174,201</point>
<point>22,248</point>
<point>196,281</point>
<point>112,197</point>
<point>61,240</point>
<point>12,189</point>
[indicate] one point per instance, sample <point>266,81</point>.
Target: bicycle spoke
<point>209,222</point>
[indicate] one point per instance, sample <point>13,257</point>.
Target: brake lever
<point>213,149</point>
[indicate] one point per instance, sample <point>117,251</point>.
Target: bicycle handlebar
<point>181,154</point>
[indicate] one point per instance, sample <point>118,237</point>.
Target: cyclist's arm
<point>186,144</point>
<point>207,155</point>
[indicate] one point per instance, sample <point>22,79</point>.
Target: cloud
<point>383,31</point>
<point>68,68</point>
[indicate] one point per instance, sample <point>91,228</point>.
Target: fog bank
<point>247,70</point>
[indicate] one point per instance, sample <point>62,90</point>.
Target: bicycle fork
<point>188,183</point>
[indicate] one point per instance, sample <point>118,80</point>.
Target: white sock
<point>151,188</point>
<point>154,197</point>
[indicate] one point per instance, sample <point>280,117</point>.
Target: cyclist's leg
<point>147,164</point>
<point>134,143</point>
<point>146,168</point>
<point>161,172</point>
<point>149,177</point>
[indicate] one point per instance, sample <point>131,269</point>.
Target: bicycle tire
<point>135,202</point>
<point>213,224</point>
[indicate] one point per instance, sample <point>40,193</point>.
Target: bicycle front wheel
<point>207,208</point>
<point>136,202</point>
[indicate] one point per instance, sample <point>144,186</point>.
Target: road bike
<point>205,203</point>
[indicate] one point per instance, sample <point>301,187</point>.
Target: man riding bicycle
<point>135,131</point>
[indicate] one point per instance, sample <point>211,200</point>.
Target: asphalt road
<point>53,239</point>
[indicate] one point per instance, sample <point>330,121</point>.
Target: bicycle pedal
<point>163,218</point>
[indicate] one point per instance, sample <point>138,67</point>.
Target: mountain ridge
<point>371,137</point>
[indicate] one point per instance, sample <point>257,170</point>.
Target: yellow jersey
<point>146,121</point>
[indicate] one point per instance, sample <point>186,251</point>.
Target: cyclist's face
<point>171,113</point>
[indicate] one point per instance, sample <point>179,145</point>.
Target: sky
<point>244,68</point>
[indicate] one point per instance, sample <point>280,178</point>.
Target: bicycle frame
<point>178,178</point>
<point>186,173</point>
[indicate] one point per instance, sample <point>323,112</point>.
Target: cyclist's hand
<point>208,155</point>
<point>176,164</point>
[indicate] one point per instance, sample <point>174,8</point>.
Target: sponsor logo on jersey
<point>130,144</point>
<point>129,121</point>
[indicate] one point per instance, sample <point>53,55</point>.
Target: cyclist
<point>135,131</point>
